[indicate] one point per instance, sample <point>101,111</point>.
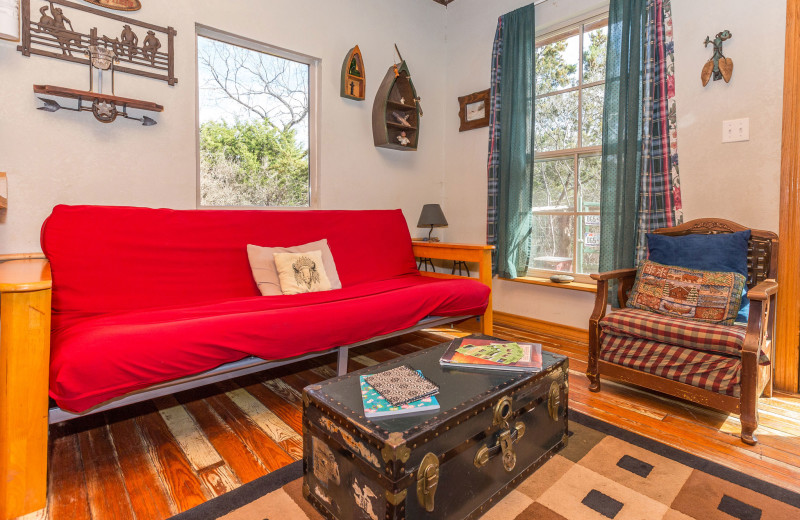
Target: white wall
<point>738,181</point>
<point>70,158</point>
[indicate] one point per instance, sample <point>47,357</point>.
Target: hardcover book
<point>376,406</point>
<point>493,355</point>
<point>402,385</point>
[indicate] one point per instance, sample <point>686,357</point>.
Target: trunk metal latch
<point>427,480</point>
<point>506,440</point>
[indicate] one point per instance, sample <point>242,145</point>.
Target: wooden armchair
<point>756,374</point>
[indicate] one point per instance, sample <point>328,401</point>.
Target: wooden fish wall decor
<point>119,5</point>
<point>142,48</point>
<point>718,65</point>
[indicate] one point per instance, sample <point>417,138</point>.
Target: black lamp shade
<point>432,216</point>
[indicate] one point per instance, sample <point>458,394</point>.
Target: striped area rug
<point>604,473</point>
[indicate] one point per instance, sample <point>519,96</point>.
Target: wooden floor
<point>159,458</point>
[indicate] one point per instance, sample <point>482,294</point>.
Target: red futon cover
<point>142,296</point>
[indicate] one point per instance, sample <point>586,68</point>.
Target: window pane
<point>552,246</point>
<point>557,122</point>
<point>594,54</point>
<point>592,117</point>
<point>589,183</point>
<point>254,129</point>
<point>588,243</point>
<point>554,185</point>
<point>557,65</point>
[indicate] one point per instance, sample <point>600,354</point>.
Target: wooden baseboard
<point>563,339</point>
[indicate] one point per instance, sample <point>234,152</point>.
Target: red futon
<point>141,296</point>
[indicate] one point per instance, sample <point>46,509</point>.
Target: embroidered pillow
<point>709,296</point>
<point>719,252</point>
<point>265,274</point>
<point>301,272</point>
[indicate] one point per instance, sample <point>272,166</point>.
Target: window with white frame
<point>570,86</point>
<point>256,123</point>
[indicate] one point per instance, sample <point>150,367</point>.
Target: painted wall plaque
<point>119,5</point>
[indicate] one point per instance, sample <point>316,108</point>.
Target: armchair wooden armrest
<point>763,290</point>
<point>626,278</point>
<point>25,287</point>
<point>480,254</point>
<point>757,339</point>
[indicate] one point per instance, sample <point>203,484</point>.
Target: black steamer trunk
<point>454,463</point>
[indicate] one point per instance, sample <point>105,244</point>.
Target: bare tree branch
<point>264,86</point>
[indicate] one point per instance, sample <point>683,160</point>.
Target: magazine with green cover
<point>493,355</point>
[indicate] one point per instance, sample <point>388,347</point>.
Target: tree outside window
<point>254,126</point>
<point>570,85</point>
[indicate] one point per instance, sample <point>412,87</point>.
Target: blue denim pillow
<point>723,252</point>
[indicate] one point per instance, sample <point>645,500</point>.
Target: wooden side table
<point>479,254</point>
<point>24,367</point>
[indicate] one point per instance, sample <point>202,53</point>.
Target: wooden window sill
<point>574,286</point>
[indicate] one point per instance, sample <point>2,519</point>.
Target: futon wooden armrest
<point>25,290</point>
<point>763,290</point>
<point>23,274</point>
<point>476,253</point>
<point>611,275</point>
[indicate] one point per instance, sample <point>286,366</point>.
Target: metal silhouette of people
<point>129,41</point>
<point>150,46</point>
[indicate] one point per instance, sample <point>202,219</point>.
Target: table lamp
<point>432,216</point>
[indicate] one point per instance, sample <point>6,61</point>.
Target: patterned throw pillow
<point>301,272</point>
<point>262,263</point>
<point>709,296</point>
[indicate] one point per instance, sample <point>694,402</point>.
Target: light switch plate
<point>735,130</point>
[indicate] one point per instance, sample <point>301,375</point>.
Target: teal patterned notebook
<point>376,406</point>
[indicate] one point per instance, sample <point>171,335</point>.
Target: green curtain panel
<point>511,129</point>
<point>622,130</point>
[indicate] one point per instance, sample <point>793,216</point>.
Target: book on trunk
<point>402,385</point>
<point>493,355</point>
<point>376,406</point>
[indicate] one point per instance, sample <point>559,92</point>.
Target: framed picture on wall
<point>474,110</point>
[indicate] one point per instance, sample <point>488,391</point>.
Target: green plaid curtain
<point>640,188</point>
<point>510,165</point>
<point>622,131</point>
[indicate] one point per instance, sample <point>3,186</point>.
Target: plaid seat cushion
<point>714,372</point>
<point>696,335</point>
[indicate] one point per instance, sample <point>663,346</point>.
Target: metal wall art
<point>718,65</point>
<point>143,49</point>
<point>105,107</point>
<point>119,5</point>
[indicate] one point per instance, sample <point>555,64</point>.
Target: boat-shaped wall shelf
<point>354,76</point>
<point>396,112</point>
<point>106,108</point>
